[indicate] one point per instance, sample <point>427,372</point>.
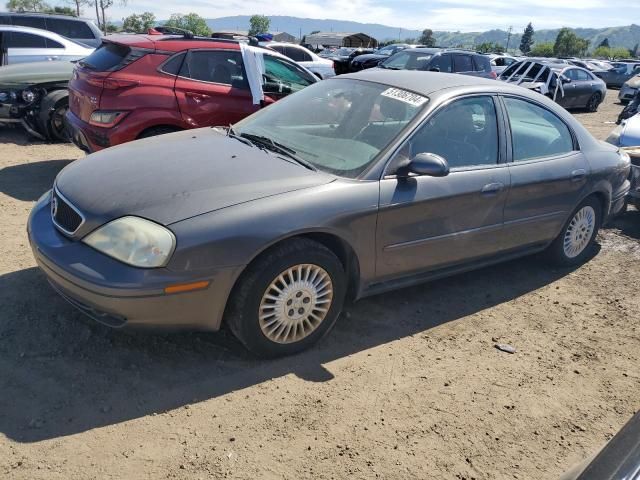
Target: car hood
<point>24,74</point>
<point>634,82</point>
<point>177,176</point>
<point>369,56</point>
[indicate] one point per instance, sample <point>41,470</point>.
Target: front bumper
<point>119,295</point>
<point>626,94</point>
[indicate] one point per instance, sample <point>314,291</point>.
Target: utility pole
<point>509,39</point>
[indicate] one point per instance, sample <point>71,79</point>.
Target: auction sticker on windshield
<point>404,96</point>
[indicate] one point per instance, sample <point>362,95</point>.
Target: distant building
<point>333,39</point>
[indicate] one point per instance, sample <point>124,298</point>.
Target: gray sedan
<point>351,187</point>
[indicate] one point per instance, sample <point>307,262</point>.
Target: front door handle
<point>198,97</point>
<point>578,175</point>
<point>492,188</point>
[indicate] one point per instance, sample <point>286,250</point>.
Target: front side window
<point>462,63</point>
<point>464,133</point>
<point>339,126</point>
<point>536,132</point>
<point>279,72</point>
<point>442,63</point>
<point>214,66</point>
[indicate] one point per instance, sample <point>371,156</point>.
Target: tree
<point>543,49</point>
<point>488,47</point>
<point>427,38</point>
<point>62,11</point>
<point>27,6</point>
<point>527,39</point>
<point>568,44</point>
<point>258,24</point>
<point>139,23</point>
<point>78,4</point>
<point>191,21</point>
<point>604,43</point>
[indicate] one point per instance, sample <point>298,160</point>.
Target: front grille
<point>65,217</point>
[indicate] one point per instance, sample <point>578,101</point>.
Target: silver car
<point>353,186</point>
<point>620,73</point>
<point>629,89</point>
<point>321,67</point>
<point>24,44</point>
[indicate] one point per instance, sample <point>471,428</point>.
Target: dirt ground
<point>408,384</point>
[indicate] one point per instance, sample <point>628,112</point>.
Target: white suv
<point>25,44</point>
<point>321,67</point>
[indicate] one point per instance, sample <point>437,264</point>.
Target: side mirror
<point>428,164</point>
<point>565,79</point>
<point>434,69</point>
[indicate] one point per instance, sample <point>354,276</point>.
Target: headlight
<point>614,136</point>
<point>4,96</point>
<point>135,241</point>
<point>28,96</point>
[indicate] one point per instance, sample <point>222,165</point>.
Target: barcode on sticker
<point>404,96</point>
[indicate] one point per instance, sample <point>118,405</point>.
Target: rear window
<point>107,57</point>
<point>481,63</point>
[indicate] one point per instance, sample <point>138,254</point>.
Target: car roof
<point>426,83</point>
<point>47,15</point>
<point>36,31</point>
<point>171,43</point>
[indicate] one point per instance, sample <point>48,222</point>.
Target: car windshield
<point>343,51</point>
<point>338,126</point>
<point>405,60</point>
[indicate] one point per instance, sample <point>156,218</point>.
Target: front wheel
<point>288,299</point>
<point>572,246</point>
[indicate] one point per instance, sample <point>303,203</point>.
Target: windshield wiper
<point>278,148</point>
<point>231,133</point>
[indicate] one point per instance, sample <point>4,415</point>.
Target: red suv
<point>136,86</point>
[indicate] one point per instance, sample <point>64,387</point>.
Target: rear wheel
<point>572,246</point>
<point>594,102</point>
<point>288,299</point>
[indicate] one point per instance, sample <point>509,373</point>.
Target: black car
<point>441,60</point>
<point>370,60</point>
<point>342,58</point>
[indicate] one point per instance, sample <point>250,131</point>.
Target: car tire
<point>573,245</point>
<point>155,131</point>
<point>57,130</point>
<point>594,102</point>
<point>288,299</point>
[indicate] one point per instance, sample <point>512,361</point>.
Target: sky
<point>453,15</point>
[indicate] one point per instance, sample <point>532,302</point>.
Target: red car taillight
<point>105,119</point>
<point>494,75</point>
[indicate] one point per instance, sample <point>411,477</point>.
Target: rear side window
<point>215,66</point>
<point>481,63</point>
<point>69,28</point>
<point>107,57</point>
<point>536,132</point>
<point>26,40</point>
<point>462,63</point>
<point>172,66</point>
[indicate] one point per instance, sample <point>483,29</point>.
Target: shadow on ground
<point>28,181</point>
<point>62,374</point>
<point>627,224</point>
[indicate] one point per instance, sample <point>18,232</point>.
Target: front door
<point>426,223</point>
<point>548,174</point>
<point>212,90</point>
<point>580,88</point>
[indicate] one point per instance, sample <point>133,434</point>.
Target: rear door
<point>212,88</point>
<point>548,173</point>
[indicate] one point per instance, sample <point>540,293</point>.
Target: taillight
<point>106,119</point>
<point>494,75</point>
<point>118,83</point>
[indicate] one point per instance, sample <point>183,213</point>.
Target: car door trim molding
<point>422,241</point>
<point>535,218</point>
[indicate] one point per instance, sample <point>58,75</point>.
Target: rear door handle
<point>198,97</point>
<point>578,175</point>
<point>492,188</point>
